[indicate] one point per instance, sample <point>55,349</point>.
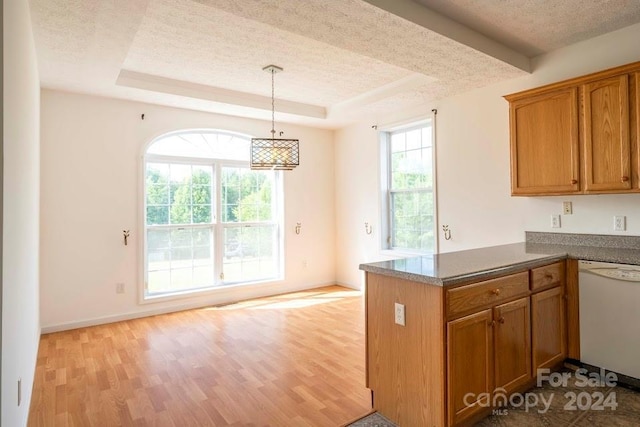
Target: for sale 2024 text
<point>577,399</point>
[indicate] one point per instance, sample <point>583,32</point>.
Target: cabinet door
<point>512,344</point>
<point>544,143</point>
<point>470,363</point>
<point>607,151</point>
<point>548,329</point>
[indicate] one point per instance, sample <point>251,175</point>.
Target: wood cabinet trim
<point>634,129</point>
<point>573,309</point>
<point>366,334</point>
<point>576,81</point>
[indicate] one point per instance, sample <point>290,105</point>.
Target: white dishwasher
<point>610,316</point>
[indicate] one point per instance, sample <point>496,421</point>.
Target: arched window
<point>210,221</point>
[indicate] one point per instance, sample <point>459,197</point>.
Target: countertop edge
<point>477,275</point>
<point>421,278</point>
<point>539,254</point>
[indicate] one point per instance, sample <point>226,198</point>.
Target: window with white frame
<point>408,189</point>
<point>209,219</point>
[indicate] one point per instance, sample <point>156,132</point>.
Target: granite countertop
<point>540,249</point>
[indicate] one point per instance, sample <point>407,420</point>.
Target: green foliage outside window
<point>246,196</point>
<point>192,197</point>
<point>411,190</point>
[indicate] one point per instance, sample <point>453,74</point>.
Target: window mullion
<point>191,195</point>
<point>218,232</point>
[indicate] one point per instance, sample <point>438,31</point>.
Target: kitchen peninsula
<point>476,322</point>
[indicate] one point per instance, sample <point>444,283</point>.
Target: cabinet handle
<point>548,276</point>
<point>501,320</point>
<point>625,178</point>
<point>496,292</point>
<point>574,181</point>
<point>492,323</point>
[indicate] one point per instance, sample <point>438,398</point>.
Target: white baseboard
<point>201,302</point>
<point>349,285</point>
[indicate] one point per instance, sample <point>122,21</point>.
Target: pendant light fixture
<point>274,153</point>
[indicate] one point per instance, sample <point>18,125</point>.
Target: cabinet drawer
<point>547,276</point>
<point>466,299</point>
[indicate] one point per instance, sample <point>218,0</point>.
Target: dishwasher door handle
<point>626,275</point>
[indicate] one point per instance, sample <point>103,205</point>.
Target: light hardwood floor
<point>289,360</point>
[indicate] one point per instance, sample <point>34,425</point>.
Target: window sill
<point>214,290</point>
<point>397,253</point>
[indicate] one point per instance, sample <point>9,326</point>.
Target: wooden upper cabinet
<point>605,129</point>
<point>562,146</point>
<point>544,143</point>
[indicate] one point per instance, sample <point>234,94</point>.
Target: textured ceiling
<point>343,60</point>
<point>537,26</point>
<point>192,42</point>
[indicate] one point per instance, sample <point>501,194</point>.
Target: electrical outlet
<point>619,223</point>
<point>305,263</point>
<point>555,221</point>
<point>399,309</point>
<point>19,391</point>
<point>120,288</point>
<point>567,209</point>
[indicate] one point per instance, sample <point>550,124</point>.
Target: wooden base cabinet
<point>549,327</point>
<point>548,316</point>
<point>487,352</point>
<point>470,361</point>
<point>512,342</point>
<point>462,345</point>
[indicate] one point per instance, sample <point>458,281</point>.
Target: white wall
<point>357,190</point>
<point>20,320</point>
<point>473,166</point>
<point>91,166</point>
